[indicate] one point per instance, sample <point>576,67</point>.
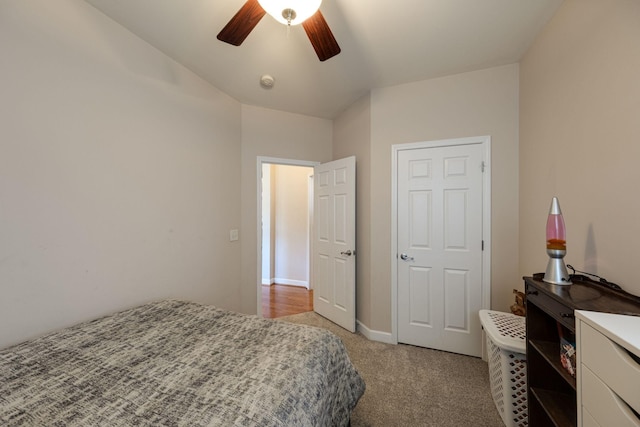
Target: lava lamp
<point>556,247</point>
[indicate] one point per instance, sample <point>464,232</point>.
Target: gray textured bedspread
<point>174,363</point>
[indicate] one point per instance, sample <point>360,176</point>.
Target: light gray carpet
<point>413,386</point>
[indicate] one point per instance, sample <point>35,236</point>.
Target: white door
<point>439,263</point>
<point>334,242</point>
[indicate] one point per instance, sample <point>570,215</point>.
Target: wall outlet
<point>233,235</point>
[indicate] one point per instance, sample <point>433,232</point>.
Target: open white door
<point>334,242</point>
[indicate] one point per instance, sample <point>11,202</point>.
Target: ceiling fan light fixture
<point>290,12</point>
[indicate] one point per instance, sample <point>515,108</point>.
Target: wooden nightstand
<point>551,389</point>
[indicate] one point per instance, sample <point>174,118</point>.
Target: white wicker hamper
<point>506,349</point>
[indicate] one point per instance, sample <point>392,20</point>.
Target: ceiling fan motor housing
<point>289,14</point>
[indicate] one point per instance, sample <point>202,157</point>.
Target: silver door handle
<point>348,252</point>
<point>406,257</point>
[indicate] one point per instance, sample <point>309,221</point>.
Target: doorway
<point>441,235</point>
<point>285,215</point>
<point>285,300</point>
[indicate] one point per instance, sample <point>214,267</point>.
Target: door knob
<point>406,257</point>
<point>348,252</point>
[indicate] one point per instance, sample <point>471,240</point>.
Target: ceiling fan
<point>289,12</point>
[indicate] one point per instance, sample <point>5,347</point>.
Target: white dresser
<point>608,374</point>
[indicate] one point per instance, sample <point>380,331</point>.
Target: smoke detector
<point>266,81</point>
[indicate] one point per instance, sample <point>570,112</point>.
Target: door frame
<point>272,161</point>
<point>485,141</point>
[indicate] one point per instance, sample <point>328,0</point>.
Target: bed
<point>176,363</point>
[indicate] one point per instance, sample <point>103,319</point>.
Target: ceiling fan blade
<point>321,37</point>
<point>242,23</point>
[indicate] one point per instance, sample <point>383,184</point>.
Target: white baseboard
<point>267,281</point>
<point>371,335</point>
<point>301,283</point>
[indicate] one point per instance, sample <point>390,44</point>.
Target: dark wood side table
<point>551,390</point>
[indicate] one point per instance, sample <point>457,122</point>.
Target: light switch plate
<point>233,235</point>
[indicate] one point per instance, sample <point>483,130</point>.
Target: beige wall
<point>292,224</point>
<point>119,173</point>
<point>271,133</point>
<point>471,104</point>
<point>579,136</point>
<point>352,137</point>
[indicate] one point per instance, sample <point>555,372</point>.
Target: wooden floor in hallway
<point>284,300</point>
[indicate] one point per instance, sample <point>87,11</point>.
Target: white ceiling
<point>383,43</point>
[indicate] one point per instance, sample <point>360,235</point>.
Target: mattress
<point>176,363</point>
